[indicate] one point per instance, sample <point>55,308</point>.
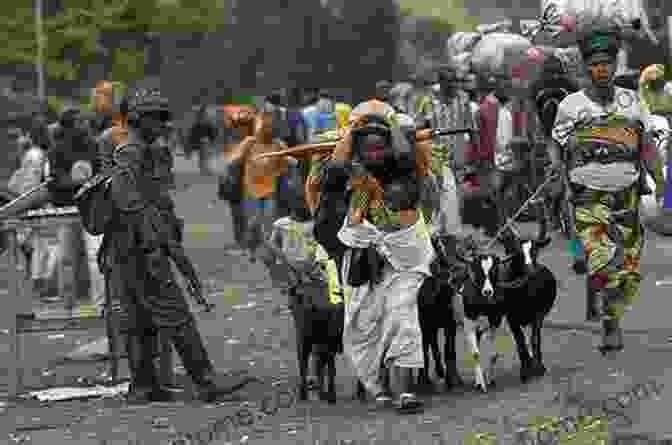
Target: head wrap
<point>374,106</point>
<point>243,100</point>
<point>606,41</point>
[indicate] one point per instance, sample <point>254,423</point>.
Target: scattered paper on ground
<point>91,351</point>
<point>70,393</point>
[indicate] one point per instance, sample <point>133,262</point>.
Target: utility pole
<point>39,61</point>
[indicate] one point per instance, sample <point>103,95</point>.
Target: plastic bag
<point>617,11</point>
<point>461,42</point>
<point>498,53</point>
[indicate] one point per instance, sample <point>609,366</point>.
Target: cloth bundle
<point>499,53</point>
<point>590,13</point>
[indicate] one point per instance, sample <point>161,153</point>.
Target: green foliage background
<point>307,37</point>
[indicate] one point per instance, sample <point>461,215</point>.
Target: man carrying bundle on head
<point>377,195</point>
<point>374,195</point>
<point>258,179</point>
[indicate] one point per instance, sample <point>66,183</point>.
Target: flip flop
<point>383,401</point>
<point>409,404</point>
<point>604,349</point>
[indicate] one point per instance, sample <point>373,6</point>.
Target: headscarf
<point>600,40</point>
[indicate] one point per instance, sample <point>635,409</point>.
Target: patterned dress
<point>607,194</point>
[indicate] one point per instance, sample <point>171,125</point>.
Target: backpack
<point>230,187</point>
<point>94,202</point>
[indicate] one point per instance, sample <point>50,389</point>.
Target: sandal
<point>383,401</point>
<point>409,404</point>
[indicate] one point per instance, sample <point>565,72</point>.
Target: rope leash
<point>520,210</point>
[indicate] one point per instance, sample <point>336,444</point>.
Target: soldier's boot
<point>595,302</point>
<point>189,346</point>
<point>612,336</point>
<point>145,386</point>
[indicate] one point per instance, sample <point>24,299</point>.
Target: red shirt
<point>487,120</point>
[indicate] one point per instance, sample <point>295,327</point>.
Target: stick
<point>305,151</point>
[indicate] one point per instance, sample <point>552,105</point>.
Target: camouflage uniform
<point>135,257</point>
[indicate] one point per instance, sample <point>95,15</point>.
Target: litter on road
<point>72,393</point>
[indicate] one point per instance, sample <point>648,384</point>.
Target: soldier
<point>135,256</point>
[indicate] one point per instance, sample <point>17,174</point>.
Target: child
<point>293,256</point>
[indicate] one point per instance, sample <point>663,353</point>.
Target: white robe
<point>381,321</point>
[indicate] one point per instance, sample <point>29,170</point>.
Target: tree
<point>448,15</point>
<point>83,31</point>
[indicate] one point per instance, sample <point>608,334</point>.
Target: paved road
<point>251,331</point>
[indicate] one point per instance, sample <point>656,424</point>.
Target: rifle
<point>34,197</point>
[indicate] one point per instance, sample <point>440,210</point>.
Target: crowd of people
<point>357,211</point>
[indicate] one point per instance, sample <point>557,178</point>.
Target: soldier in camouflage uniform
<point>135,255</point>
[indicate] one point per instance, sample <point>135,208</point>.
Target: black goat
<point>528,299</point>
<point>515,287</point>
<point>319,329</point>
<point>435,311</point>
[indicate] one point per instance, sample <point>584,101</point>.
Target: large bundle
<point>572,62</point>
<point>495,52</point>
<point>461,42</point>
<point>498,53</point>
<point>459,49</point>
<point>621,12</point>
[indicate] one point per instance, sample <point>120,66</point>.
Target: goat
<point>485,294</point>
<point>319,328</point>
<point>435,311</point>
<point>537,285</point>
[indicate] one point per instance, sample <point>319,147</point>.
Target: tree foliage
<point>77,34</point>
<point>288,44</point>
<point>447,15</point>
